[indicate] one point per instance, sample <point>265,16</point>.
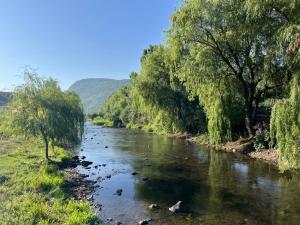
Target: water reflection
<point>217,188</point>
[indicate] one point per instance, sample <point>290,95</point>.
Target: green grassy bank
<point>33,191</point>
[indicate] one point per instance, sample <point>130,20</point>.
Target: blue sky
<point>74,39</point>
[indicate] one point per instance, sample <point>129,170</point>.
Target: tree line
<point>228,69</point>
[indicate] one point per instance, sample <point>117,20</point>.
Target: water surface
<point>217,188</point>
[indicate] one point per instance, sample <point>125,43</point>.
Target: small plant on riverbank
<point>102,122</point>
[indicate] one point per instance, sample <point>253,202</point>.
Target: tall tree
<point>238,47</point>
<point>39,108</point>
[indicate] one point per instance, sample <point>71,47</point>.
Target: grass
<point>32,189</point>
<point>102,122</point>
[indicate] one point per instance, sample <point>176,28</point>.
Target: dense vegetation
<point>93,92</point>
<point>226,66</point>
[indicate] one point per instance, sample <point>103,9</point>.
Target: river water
<point>216,188</point>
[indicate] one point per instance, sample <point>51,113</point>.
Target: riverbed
<point>215,187</point>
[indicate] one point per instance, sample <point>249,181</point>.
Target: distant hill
<point>94,91</point>
<point>4,97</point>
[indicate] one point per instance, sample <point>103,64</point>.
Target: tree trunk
<point>249,118</point>
<point>46,148</point>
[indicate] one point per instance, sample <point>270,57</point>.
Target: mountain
<point>4,98</point>
<point>94,91</point>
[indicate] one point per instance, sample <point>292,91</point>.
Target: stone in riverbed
<point>134,173</point>
<point>86,163</point>
<point>145,178</point>
<point>144,222</point>
<point>153,206</point>
<point>83,157</point>
<point>106,146</point>
<point>177,208</point>
<point>119,192</point>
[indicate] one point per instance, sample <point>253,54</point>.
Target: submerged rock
<point>177,208</point>
<point>106,146</point>
<point>145,178</point>
<point>119,192</point>
<point>134,173</point>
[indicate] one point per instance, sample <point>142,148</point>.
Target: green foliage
<point>162,99</point>
<point>93,92</point>
<point>117,108</point>
<point>34,190</point>
<point>102,122</point>
<point>285,127</point>
<point>39,108</point>
<point>218,44</point>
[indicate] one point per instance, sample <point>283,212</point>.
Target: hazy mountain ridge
<point>94,91</point>
<point>4,97</point>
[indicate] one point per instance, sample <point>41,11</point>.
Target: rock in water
<point>145,178</point>
<point>153,206</point>
<point>119,192</point>
<point>134,173</point>
<point>178,207</point>
<point>144,222</point>
<point>86,163</point>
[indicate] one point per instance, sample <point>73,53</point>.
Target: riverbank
<point>34,191</point>
<point>244,147</point>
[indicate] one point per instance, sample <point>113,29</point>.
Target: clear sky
<point>74,39</point>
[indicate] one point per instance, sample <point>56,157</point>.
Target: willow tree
<point>117,107</point>
<point>285,127</point>
<point>162,97</point>
<point>40,108</point>
<point>240,46</point>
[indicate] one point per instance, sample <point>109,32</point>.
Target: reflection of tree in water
<point>171,176</point>
<point>218,189</point>
<point>288,208</point>
<point>219,176</point>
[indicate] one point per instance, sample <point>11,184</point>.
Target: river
<point>216,188</point>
